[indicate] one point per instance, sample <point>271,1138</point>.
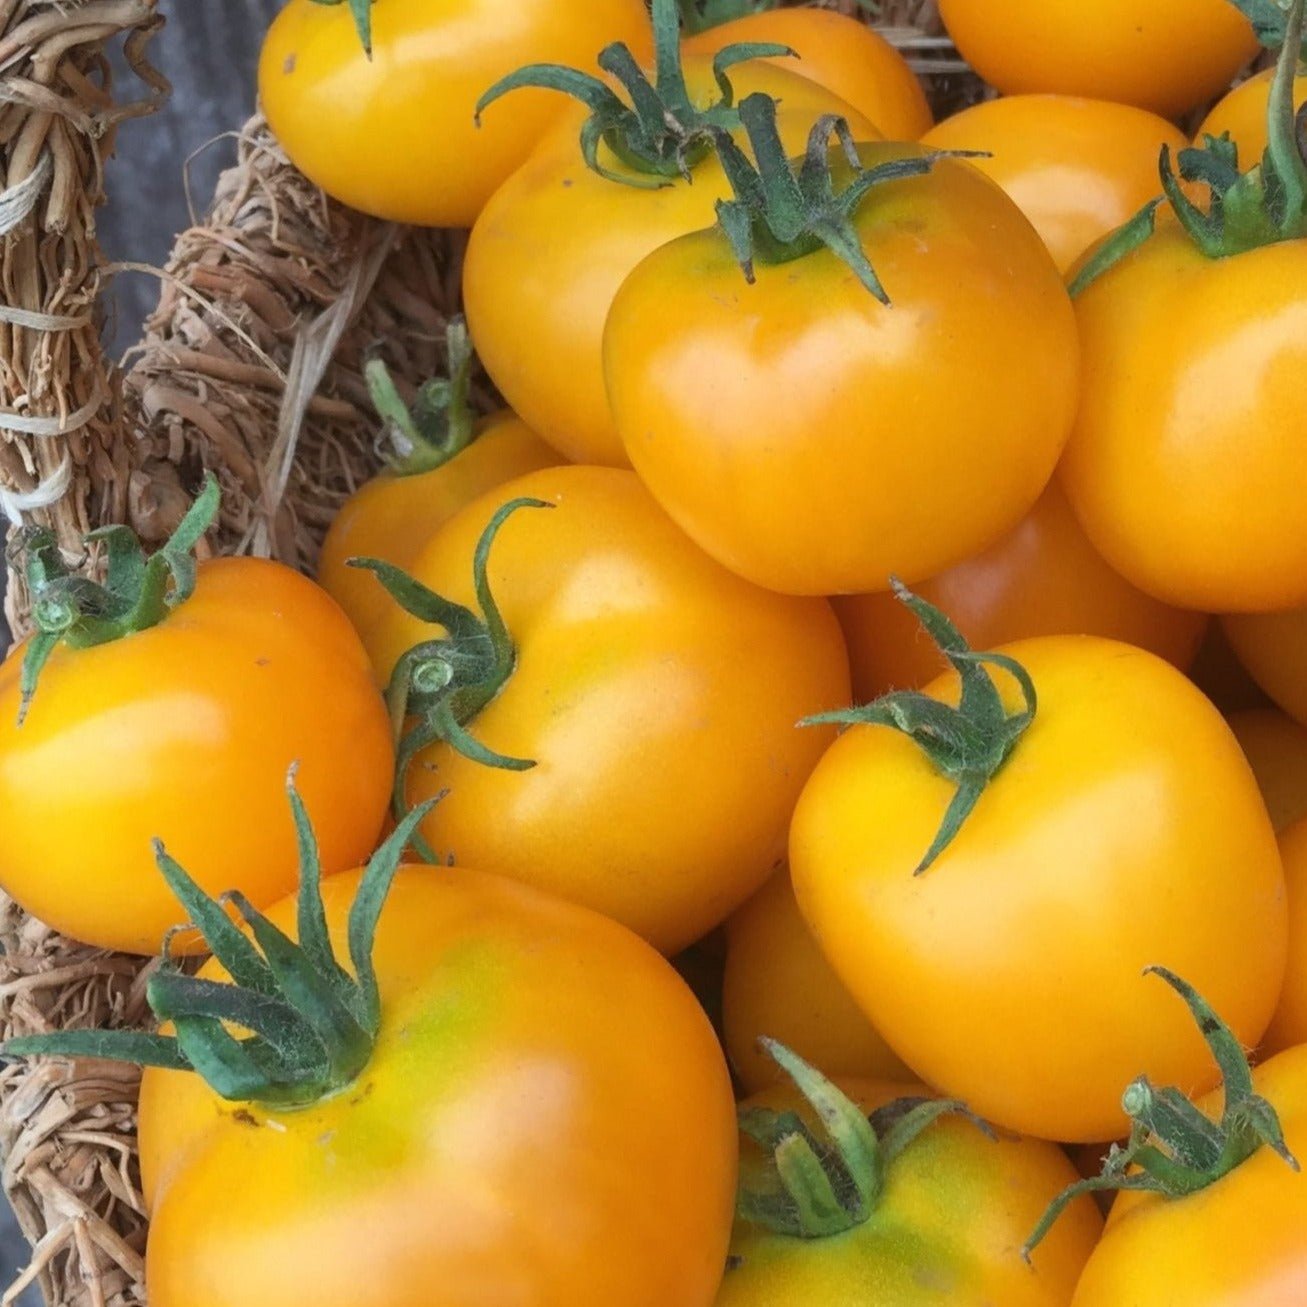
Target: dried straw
<point>251,366</point>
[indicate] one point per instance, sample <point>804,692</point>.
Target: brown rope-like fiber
<point>250,366</point>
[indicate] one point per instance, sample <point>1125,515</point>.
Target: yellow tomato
<point>1273,648</point>
<point>1078,169</point>
<point>1124,830</point>
<point>1289,1025</point>
<point>1163,55</point>
<point>778,984</point>
<point>395,134</point>
<point>556,242</point>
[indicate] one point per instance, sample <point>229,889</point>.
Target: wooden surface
<point>208,51</point>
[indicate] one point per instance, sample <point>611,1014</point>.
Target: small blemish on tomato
<point>288,66</point>
<point>263,662</point>
<point>244,1117</point>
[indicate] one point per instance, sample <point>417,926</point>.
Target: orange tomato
<point>777,984</point>
<point>841,54</point>
<point>394,133</point>
<point>858,441</point>
<point>184,732</point>
<point>505,1056</point>
<point>1242,114</point>
<point>554,245</point>
<point>1273,648</point>
<point>1078,169</point>
<point>392,516</point>
<point>656,693</point>
<point>1219,674</point>
<point>1163,55</point>
<point>1045,578</point>
<point>1276,748</point>
<point>1289,1025</point>
<point>1009,974</point>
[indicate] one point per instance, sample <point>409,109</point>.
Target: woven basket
<point>251,367</point>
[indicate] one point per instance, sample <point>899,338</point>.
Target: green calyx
<point>137,593</point>
<point>361,11</point>
<point>661,134</point>
<point>442,684</point>
<point>779,215</point>
<point>1265,205</point>
<point>818,1187</point>
<point>311,1024</point>
<point>970,743</point>
<point>1174,1149</point>
<point>702,15</point>
<point>440,424</point>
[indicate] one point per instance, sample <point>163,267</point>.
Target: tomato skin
<point>840,53</point>
<point>391,517</point>
<point>1165,55</point>
<point>1272,647</point>
<point>1045,578</point>
<point>185,732</point>
<point>395,135</point>
<point>949,1228</point>
<point>1240,1241</point>
<point>777,984</point>
<point>1128,791</point>
<point>1188,415</point>
<point>858,441</point>
<point>556,242</point>
<point>1243,114</point>
<point>1288,1027</point>
<point>1078,169</point>
<point>506,1055</point>
<point>1276,748</point>
<point>657,693</point>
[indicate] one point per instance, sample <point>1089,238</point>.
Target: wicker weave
<point>250,366</point>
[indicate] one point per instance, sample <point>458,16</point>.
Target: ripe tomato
<point>1243,115</point>
<point>1188,415</point>
<point>395,134</point>
<point>554,245</point>
<point>184,732</point>
<point>1163,55</point>
<point>777,984</point>
<point>1273,648</point>
<point>945,1228</point>
<point>1276,748</point>
<point>504,1056</point>
<point>1009,973</point>
<point>392,516</point>
<point>1238,1241</point>
<point>1289,1025</point>
<point>1045,578</point>
<point>1078,169</point>
<point>656,693</point>
<point>841,54</point>
<point>857,440</point>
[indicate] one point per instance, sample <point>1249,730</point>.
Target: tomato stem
<point>440,424</point>
<point>1174,1149</point>
<point>661,134</point>
<point>970,743</point>
<point>826,1187</point>
<point>312,1025</point>
<point>442,684</point>
<point>780,214</point>
<point>138,593</point>
<point>1265,205</point>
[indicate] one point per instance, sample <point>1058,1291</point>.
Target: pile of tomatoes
<point>884,595</point>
